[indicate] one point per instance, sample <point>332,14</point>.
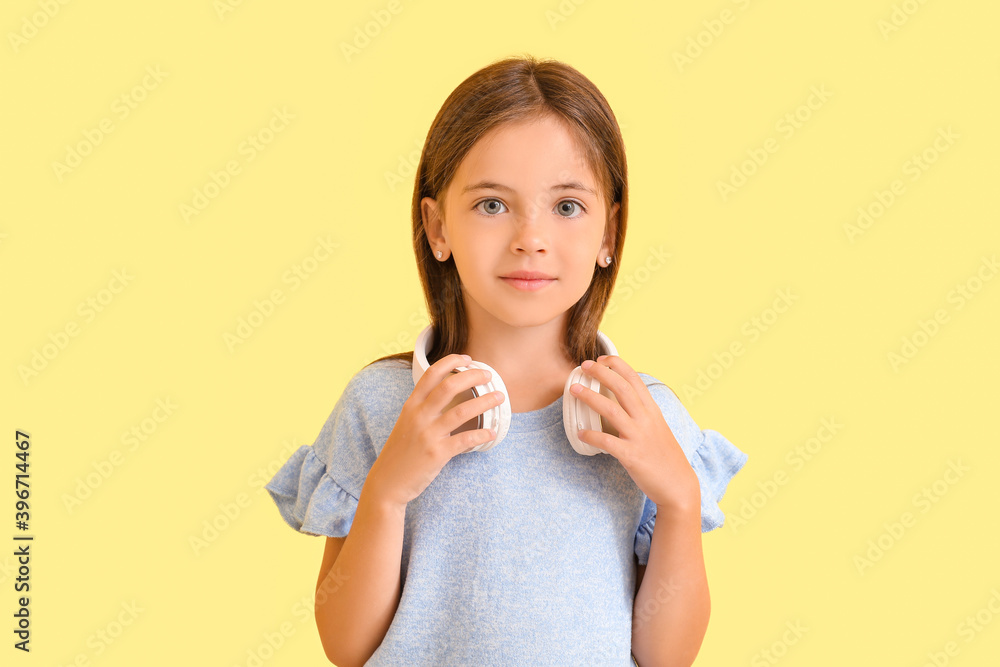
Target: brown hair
<point>508,90</point>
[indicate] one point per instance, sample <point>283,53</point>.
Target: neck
<point>521,354</point>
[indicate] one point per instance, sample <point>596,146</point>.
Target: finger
<point>639,389</point>
<point>599,439</point>
<point>435,373</point>
<point>448,377</point>
<point>463,423</point>
<point>457,388</point>
<point>469,440</point>
<point>464,416</point>
<point>611,412</point>
<point>631,376</point>
<point>619,386</point>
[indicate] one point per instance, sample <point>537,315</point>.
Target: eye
<point>495,207</point>
<point>562,206</point>
<point>492,211</point>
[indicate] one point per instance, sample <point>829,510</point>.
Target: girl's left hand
<point>645,445</point>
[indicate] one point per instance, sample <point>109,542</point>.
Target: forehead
<point>525,152</point>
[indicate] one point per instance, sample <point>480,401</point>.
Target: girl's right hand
<point>421,442</point>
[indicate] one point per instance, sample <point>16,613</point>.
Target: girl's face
<point>523,199</point>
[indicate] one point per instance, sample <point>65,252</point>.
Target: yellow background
<point>687,125</point>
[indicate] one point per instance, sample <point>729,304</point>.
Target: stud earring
<point>607,259</point>
<point>439,254</point>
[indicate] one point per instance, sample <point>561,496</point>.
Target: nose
<point>531,233</point>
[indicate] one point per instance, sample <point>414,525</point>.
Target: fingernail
<point>587,364</point>
<point>467,357</point>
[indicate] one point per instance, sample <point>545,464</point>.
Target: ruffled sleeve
<point>714,459</point>
<point>317,488</point>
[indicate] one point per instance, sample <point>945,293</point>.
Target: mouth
<point>527,284</point>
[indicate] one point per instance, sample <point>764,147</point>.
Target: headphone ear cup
<point>496,417</point>
<point>578,415</point>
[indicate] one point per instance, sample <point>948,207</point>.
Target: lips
<point>528,275</point>
<point>535,281</point>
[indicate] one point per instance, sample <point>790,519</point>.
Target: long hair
<point>510,90</point>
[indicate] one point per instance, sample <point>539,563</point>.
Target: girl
<point>477,512</point>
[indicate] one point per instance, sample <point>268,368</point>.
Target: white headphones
<point>576,414</point>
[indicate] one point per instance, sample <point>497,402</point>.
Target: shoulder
<point>364,414</point>
<point>376,392</point>
<point>659,390</point>
<point>682,425</point>
<point>381,375</point>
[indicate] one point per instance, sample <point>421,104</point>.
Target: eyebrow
<point>490,185</point>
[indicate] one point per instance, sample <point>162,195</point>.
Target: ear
<point>434,227</point>
<point>610,232</point>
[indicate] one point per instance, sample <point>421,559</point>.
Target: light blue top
<point>522,554</point>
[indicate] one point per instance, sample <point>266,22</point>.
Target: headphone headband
<point>426,339</point>
<point>576,414</point>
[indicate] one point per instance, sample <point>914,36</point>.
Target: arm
<point>671,608</point>
<point>359,588</point>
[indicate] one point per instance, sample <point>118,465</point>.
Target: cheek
<point>489,248</point>
<point>478,261</point>
<point>585,249</point>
